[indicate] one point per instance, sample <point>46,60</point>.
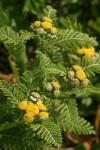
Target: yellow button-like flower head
<point>76,67</point>
<point>37,24</point>
<point>80,51</point>
<point>56,84</point>
<point>41,106</point>
<point>89,51</point>
<point>43,115</point>
<point>33,109</point>
<point>47,19</point>
<point>46,25</point>
<point>80,75</point>
<point>22,105</point>
<point>53,30</point>
<point>28,117</point>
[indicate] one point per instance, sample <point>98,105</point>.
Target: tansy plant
<point>43,102</point>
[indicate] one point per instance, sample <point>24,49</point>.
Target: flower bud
<point>56,92</point>
<point>33,98</point>
<point>71,74</point>
<point>49,86</point>
<point>40,30</point>
<point>75,82</point>
<point>36,95</point>
<point>85,82</point>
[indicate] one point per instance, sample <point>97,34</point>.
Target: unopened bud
<point>35,94</point>
<point>33,98</point>
<point>40,30</point>
<point>85,82</point>
<point>71,74</point>
<point>49,86</point>
<point>57,92</point>
<point>75,82</point>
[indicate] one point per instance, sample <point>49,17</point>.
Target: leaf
<point>50,12</point>
<point>71,38</point>
<point>49,68</point>
<point>26,35</point>
<point>83,127</point>
<point>48,131</point>
<point>91,67</point>
<point>68,114</point>
<point>15,46</point>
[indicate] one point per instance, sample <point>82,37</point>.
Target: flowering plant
<point>43,102</point>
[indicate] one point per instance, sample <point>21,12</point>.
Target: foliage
<point>47,68</point>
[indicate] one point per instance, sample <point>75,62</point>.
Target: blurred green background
<point>81,15</point>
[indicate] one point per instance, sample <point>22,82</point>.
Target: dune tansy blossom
<point>43,115</point>
<point>76,67</point>
<point>28,117</point>
<point>37,24</point>
<point>41,106</point>
<point>46,25</point>
<point>53,30</point>
<point>22,105</point>
<point>80,75</point>
<point>56,84</point>
<point>33,109</point>
<point>47,19</point>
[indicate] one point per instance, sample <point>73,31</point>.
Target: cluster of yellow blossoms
<point>86,52</point>
<point>45,25</point>
<point>78,76</point>
<point>55,86</point>
<point>32,110</point>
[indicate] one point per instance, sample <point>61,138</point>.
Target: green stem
<point>7,126</point>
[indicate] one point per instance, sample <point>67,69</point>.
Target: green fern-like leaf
<point>8,36</point>
<point>50,12</point>
<point>91,67</point>
<point>71,38</point>
<point>49,132</point>
<point>8,91</point>
<point>49,68</point>
<point>83,127</point>
<point>26,35</point>
<point>15,46</point>
<point>68,114</point>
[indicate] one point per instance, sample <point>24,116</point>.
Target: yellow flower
<point>89,51</point>
<point>80,51</point>
<point>46,25</point>
<point>41,106</point>
<point>76,67</point>
<point>53,30</point>
<point>37,23</point>
<point>43,115</point>
<point>85,82</point>
<point>47,19</point>
<point>56,84</point>
<point>28,117</point>
<point>80,75</point>
<point>22,105</point>
<point>33,109</point>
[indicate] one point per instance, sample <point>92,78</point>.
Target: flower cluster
<point>32,110</point>
<point>78,76</point>
<point>45,26</point>
<point>86,52</point>
<point>55,86</point>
